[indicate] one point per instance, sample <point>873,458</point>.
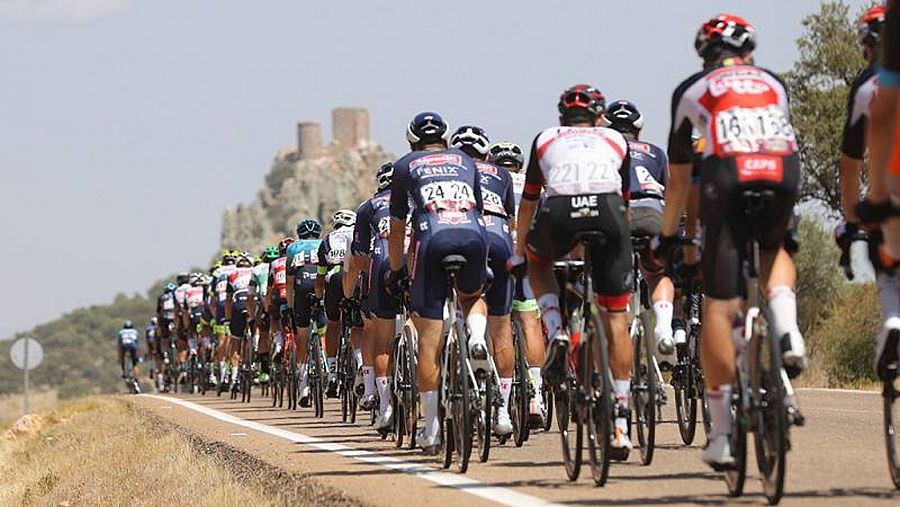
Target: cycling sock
<point>505,386</point>
<point>888,295</point>
<point>369,380</point>
<point>783,307</point>
<point>222,371</point>
<point>303,380</point>
<point>536,380</point>
<point>357,354</point>
<point>384,395</point>
<point>720,410</point>
<point>430,412</point>
<point>623,394</point>
<point>549,304</point>
<point>477,326</point>
<point>234,373</point>
<point>663,312</point>
<point>332,365</point>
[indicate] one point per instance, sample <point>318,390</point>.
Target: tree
<point>830,58</point>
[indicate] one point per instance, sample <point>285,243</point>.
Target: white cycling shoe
<point>478,354</point>
<point>386,420</point>
<point>793,354</point>
<point>537,413</point>
<point>718,453</point>
<point>621,445</point>
<point>430,444</point>
<point>503,424</point>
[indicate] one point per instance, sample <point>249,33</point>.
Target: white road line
<point>499,495</point>
<point>844,391</point>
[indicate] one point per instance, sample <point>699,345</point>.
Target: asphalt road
<point>838,458</point>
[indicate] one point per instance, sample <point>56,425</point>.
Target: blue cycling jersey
<point>373,223</point>
<point>497,192</point>
<point>302,260</point>
<point>128,337</point>
<point>649,170</point>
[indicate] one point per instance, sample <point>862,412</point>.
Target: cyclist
<point>151,338</point>
<point>584,171</point>
<point>498,215</point>
<point>732,92</point>
<point>278,295</point>
<point>524,307</point>
<point>329,287</point>
<point>128,344</point>
<point>649,174</point>
<point>195,303</point>
<point>443,185</point>
<point>261,308</point>
<point>236,309</point>
<point>220,292</point>
<point>302,266</point>
<point>165,313</point>
<point>182,319</point>
<point>370,253</point>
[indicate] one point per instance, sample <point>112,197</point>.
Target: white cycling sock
<point>357,355</point>
<point>222,371</point>
<point>303,380</point>
<point>536,380</point>
<point>430,412</point>
<point>550,315</point>
<point>369,380</point>
<point>477,326</point>
<point>505,387</point>
<point>623,394</point>
<point>234,373</point>
<point>783,308</point>
<point>663,312</point>
<point>720,410</point>
<point>384,393</point>
<point>888,295</point>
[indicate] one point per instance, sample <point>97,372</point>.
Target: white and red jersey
<point>738,109</point>
<point>194,297</point>
<point>239,282</point>
<point>180,291</point>
<point>278,276</point>
<point>577,161</point>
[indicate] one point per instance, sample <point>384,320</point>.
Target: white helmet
<point>470,139</point>
<point>343,218</point>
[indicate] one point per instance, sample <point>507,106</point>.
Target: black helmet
<point>507,155</point>
<point>623,116</point>
<point>472,140</point>
<point>581,102</point>
<point>384,175</point>
<point>427,126</point>
<point>182,278</point>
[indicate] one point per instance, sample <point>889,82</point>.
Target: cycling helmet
<point>427,126</point>
<point>182,278</point>
<point>308,227</point>
<point>384,175</point>
<point>128,325</point>
<point>270,253</point>
<point>169,287</point>
<point>195,278</point>
<point>246,259</point>
<point>725,31</point>
<point>343,218</point>
<point>284,244</point>
<point>581,102</point>
<point>228,257</point>
<point>870,25</point>
<point>154,321</point>
<point>507,155</point>
<point>472,140</point>
<point>623,116</point>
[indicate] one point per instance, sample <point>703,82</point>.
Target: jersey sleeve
<point>476,187</point>
<point>534,178</point>
<point>663,162</point>
<point>625,174</point>
<point>362,230</point>
<point>289,269</point>
<point>680,149</point>
<point>853,139</point>
<point>509,197</point>
<point>399,205</point>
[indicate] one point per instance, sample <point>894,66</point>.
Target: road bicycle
<point>404,365</point>
<point>317,369</point>
<point>687,377</point>
<point>347,368</point>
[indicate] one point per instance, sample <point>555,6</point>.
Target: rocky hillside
<point>296,189</point>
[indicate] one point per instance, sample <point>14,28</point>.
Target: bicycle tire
<point>599,409</point>
<point>685,387</point>
<point>548,397</point>
<point>412,391</point>
<point>520,391</point>
<point>447,438</point>
<point>293,378</point>
<point>319,393</point>
<point>770,413</point>
<point>644,389</point>
<point>890,397</point>
<point>565,422</point>
<point>483,416</point>
<point>736,478</point>
<point>461,402</point>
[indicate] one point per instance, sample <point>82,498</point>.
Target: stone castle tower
<point>350,129</point>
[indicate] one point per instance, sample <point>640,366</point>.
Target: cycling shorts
<point>334,293</point>
<point>646,222</point>
<point>164,328</point>
<point>303,310</point>
<point>500,248</point>
<point>726,227</point>
<point>553,235</point>
<point>523,296</point>
<point>381,304</point>
<point>131,350</point>
<point>428,282</point>
<point>238,320</point>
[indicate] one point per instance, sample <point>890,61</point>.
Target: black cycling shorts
<point>238,319</point>
<point>553,235</point>
<point>303,310</point>
<point>499,295</point>
<point>726,227</point>
<point>334,292</point>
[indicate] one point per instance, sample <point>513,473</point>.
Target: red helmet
<point>282,247</point>
<point>726,31</point>
<point>584,97</point>
<point>870,25</point>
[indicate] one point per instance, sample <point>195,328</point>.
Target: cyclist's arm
<point>681,153</point>
<point>850,170</point>
<point>354,265</point>
<point>534,182</point>
<point>399,207</point>
<point>322,268</point>
<point>228,302</point>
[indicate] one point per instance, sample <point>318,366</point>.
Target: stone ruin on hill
<point>310,180</point>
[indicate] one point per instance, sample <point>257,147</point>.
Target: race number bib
<point>384,227</point>
<point>753,130</point>
<point>492,202</point>
<point>448,196</point>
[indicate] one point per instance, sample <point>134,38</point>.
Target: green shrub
<point>819,279</point>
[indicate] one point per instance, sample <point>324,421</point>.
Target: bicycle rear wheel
<point>568,422</point>
<point>770,414</point>
<point>644,388</point>
<point>547,395</point>
<point>482,411</point>
<point>293,377</point>
<point>319,387</point>
<point>891,394</point>
<point>600,402</point>
<point>520,392</point>
<point>461,402</point>
<point>736,477</point>
<point>684,384</point>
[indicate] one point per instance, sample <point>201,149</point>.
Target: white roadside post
<point>26,354</point>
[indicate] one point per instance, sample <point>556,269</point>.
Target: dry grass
<point>11,405</point>
<point>95,451</point>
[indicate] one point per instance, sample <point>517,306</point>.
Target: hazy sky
<point>128,126</point>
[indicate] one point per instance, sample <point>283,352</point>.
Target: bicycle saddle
<point>454,263</point>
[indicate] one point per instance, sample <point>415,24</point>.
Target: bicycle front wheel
<point>891,394</point>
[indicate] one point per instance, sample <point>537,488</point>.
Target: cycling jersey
<point>179,295</point>
<point>260,282</point>
<point>302,264</point>
<point>238,288</point>
<point>577,161</point>
<point>128,338</point>
<point>445,192</point>
<point>370,238</point>
<point>499,208</point>
<point>220,275</point>
<point>278,278</point>
<point>165,306</point>
<point>150,334</point>
<point>518,184</point>
<point>889,58</point>
<point>743,114</point>
<point>862,93</point>
<point>648,173</point>
<point>332,251</point>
